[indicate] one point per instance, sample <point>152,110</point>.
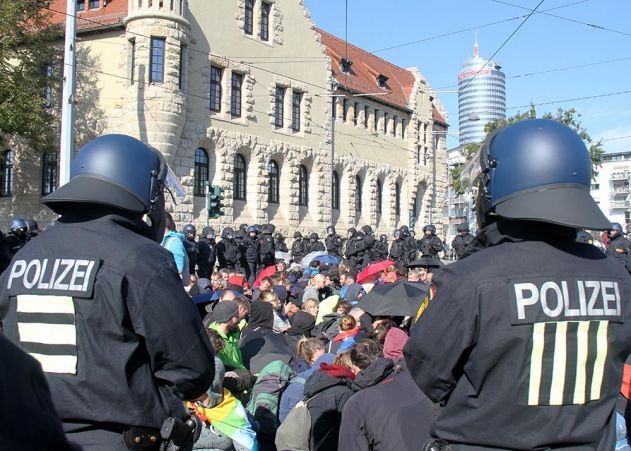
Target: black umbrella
<point>394,299</point>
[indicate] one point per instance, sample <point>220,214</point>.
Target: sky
<point>591,33</point>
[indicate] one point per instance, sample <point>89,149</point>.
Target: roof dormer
<point>381,81</point>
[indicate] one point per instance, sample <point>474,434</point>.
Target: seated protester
<point>311,306</point>
<point>264,286</point>
<point>259,343</point>
<point>281,268</point>
<point>302,324</point>
<point>349,329</point>
<point>389,275</point>
<point>313,269</point>
<point>365,322</point>
<point>332,385</point>
<point>346,279</point>
<point>382,327</point>
<point>311,351</point>
<point>315,288</point>
<point>281,322</point>
<point>211,438</point>
<point>354,293</point>
<point>405,414</point>
<point>217,283</point>
<point>332,282</point>
<point>343,308</point>
<point>225,319</point>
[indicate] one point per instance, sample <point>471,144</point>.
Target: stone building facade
<point>249,95</point>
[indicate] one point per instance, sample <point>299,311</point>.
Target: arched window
<point>303,187</point>
<point>379,197</point>
<point>358,194</point>
<point>239,177</point>
<point>49,172</point>
<point>273,195</point>
<point>397,199</point>
<point>6,174</point>
<point>201,172</point>
<point>335,191</point>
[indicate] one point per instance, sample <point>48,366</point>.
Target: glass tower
<point>481,96</point>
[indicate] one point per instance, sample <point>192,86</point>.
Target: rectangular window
<point>156,71</point>
<point>394,125</point>
<point>48,89</point>
<point>375,124</point>
<point>94,4</point>
<point>295,111</point>
<point>80,5</point>
<point>183,54</point>
<point>344,109</point>
<point>215,88</point>
<point>385,123</point>
<point>403,128</point>
<point>265,9</point>
<point>280,106</point>
<point>248,22</point>
<point>355,112</point>
<point>366,116</point>
<point>235,95</point>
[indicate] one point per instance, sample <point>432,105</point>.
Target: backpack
<point>294,433</point>
<point>265,398</point>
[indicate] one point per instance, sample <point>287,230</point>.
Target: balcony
<point>620,175</point>
<point>618,204</point>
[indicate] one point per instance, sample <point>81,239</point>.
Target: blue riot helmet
<point>430,227</point>
<point>462,227</point>
<point>537,170</point>
<point>383,238</point>
<point>227,233</point>
<point>330,230</point>
<point>615,229</point>
<point>32,225</point>
<point>19,225</point>
<point>252,229</point>
<point>208,232</point>
<point>397,234</point>
<point>115,171</point>
<point>189,228</point>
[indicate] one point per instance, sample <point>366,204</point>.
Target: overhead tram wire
<point>591,25</point>
<point>477,27</point>
<point>552,102</point>
<point>502,46</point>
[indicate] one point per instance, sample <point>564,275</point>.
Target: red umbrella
<point>265,272</point>
<point>370,273</point>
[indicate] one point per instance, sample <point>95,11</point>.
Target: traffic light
<point>215,194</point>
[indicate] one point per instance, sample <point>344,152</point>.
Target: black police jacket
<point>431,245</point>
<point>622,243</point>
<point>102,307</point>
<point>525,340</point>
<point>251,250</point>
<point>315,246</point>
<point>227,253</point>
<point>334,245</point>
<point>398,251</point>
<point>267,250</point>
<point>192,252</point>
<point>298,249</point>
<point>460,243</point>
<point>206,257</point>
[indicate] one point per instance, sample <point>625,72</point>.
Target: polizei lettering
<point>566,300</point>
<point>73,277</point>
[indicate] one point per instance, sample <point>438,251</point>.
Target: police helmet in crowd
<point>430,227</point>
<point>404,230</point>
<point>330,230</point>
<point>208,232</point>
<point>397,234</point>
<point>383,238</point>
<point>367,229</point>
<point>412,233</point>
<point>615,230</point>
<point>32,225</point>
<point>19,225</point>
<point>252,229</point>
<point>537,170</point>
<point>297,235</point>
<point>116,171</point>
<point>351,232</point>
<point>190,229</point>
<point>314,237</point>
<point>227,233</point>
<point>584,237</point>
<point>279,237</point>
<point>463,227</point>
<point>360,235</point>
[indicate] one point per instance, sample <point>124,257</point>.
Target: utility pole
<point>67,104</point>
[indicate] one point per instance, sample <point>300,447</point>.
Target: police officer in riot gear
<point>349,247</point>
<point>398,249</point>
<point>409,244</point>
<point>18,236</point>
<point>239,236</point>
<point>315,245</point>
<point>99,303</point>
<point>618,246</point>
<point>207,252</point>
<point>298,247</point>
<point>228,252</point>
<point>279,243</point>
<point>333,242</point>
<point>267,245</point>
<point>381,248</point>
<point>252,252</point>
<point>462,240</point>
<point>190,246</point>
<point>33,228</point>
<point>532,306</point>
<point>430,244</point>
<point>369,244</point>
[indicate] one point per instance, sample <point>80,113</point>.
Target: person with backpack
<point>313,352</point>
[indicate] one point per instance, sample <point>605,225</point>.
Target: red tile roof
<point>104,16</point>
<point>365,69</point>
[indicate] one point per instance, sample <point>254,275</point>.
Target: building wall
<point>610,189</point>
<point>115,95</point>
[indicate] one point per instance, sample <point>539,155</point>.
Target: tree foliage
<point>569,117</point>
<point>26,51</point>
